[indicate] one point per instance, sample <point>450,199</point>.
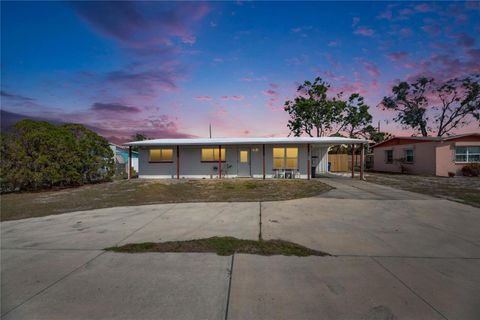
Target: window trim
<point>466,154</point>
<point>160,161</point>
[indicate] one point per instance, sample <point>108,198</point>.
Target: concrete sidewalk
<point>398,255</point>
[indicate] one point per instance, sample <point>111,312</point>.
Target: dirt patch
<point>461,189</point>
<point>140,192</point>
<point>223,246</point>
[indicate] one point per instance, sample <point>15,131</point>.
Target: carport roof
<point>233,141</point>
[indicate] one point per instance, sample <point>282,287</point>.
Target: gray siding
<point>192,167</point>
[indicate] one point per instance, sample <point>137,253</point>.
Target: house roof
<point>426,139</point>
<point>236,141</point>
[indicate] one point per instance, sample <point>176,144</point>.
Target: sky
<point>169,69</point>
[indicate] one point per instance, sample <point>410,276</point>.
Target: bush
<point>471,170</point>
<point>39,155</point>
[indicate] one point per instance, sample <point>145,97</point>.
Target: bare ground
<point>140,192</point>
<point>461,189</point>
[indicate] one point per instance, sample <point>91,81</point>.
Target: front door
<point>244,162</point>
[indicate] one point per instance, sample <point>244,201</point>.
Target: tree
<point>37,154</point>
<point>454,103</point>
<point>410,102</point>
<point>94,153</point>
<point>312,110</point>
<point>138,136</point>
<point>356,120</point>
<point>459,99</point>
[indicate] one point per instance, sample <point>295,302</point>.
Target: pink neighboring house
<point>427,155</point>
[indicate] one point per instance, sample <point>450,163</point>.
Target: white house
<point>295,157</point>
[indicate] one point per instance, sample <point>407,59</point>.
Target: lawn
<point>223,246</point>
<point>139,192</point>
<point>461,189</point>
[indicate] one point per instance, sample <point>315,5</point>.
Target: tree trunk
<point>424,130</point>
<point>318,132</point>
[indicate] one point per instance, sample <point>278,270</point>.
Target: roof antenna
<point>210,129</point>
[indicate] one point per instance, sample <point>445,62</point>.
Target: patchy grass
<point>461,189</point>
<point>223,246</point>
<point>139,192</point>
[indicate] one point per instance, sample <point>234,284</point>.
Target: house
<point>295,157</point>
<point>427,155</point>
<point>120,155</point>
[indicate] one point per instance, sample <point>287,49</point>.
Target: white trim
<point>247,141</point>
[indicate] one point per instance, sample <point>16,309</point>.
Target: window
<point>409,156</point>
<point>467,154</point>
<point>292,158</point>
<point>285,158</point>
<point>211,154</point>
<point>243,156</point>
<point>388,156</point>
<point>278,158</point>
<point>160,155</point>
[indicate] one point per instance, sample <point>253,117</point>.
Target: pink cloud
<point>269,92</point>
<point>371,68</point>
<point>203,98</point>
<point>364,31</point>
<point>396,56</point>
<point>233,98</point>
<point>249,78</point>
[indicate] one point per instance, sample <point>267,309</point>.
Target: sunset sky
<point>170,69</point>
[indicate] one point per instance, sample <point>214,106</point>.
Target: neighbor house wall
<point>445,155</point>
<point>423,163</point>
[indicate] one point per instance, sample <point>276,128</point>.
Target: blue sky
<point>170,69</point>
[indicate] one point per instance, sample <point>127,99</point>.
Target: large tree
<point>355,118</point>
<point>312,111</point>
<point>427,105</point>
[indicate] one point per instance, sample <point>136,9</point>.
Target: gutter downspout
<point>362,159</point>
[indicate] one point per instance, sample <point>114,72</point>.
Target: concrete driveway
<point>397,255</point>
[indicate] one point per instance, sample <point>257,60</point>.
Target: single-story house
<point>427,155</point>
<point>294,157</point>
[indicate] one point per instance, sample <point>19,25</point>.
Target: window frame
<point>386,156</point>
<point>405,153</point>
<point>213,149</point>
<point>467,154</point>
<point>285,158</point>
<point>161,155</point>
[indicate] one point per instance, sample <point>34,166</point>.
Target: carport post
<point>353,161</point>
<point>129,171</point>
<point>219,161</point>
<point>308,161</point>
<point>263,161</point>
<point>362,159</point>
<point>178,162</point>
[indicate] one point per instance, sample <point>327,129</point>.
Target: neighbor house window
<point>409,156</point>
<point>160,155</point>
<point>211,154</point>
<point>467,154</point>
<point>285,158</point>
<point>389,156</point>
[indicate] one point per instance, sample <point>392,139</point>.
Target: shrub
<point>38,155</point>
<point>471,170</point>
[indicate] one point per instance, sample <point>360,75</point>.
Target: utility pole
<point>210,129</point>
